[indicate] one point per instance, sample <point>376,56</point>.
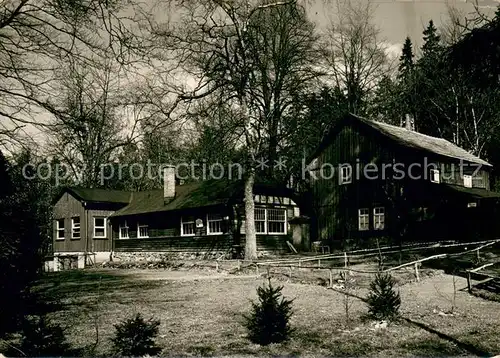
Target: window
<point>214,224</point>
<point>478,182</point>
<point>363,219</point>
<point>345,174</point>
<point>435,178</point>
<point>99,227</point>
<point>142,231</point>
<point>468,181</point>
<point>276,221</point>
<point>75,227</point>
<point>270,221</point>
<point>187,227</point>
<point>379,218</point>
<point>60,229</point>
<point>123,232</point>
<point>260,220</point>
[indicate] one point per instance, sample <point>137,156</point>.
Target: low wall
<point>156,256</point>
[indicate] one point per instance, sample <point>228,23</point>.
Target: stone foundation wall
<point>156,256</point>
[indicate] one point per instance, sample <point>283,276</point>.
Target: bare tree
<point>36,36</point>
<point>87,131</point>
<point>454,27</point>
<point>249,55</point>
<point>355,56</point>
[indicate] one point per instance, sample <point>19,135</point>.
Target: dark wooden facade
<point>414,207</point>
<point>68,207</point>
<point>164,231</point>
<point>161,225</point>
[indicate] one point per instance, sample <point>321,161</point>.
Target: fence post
<point>331,278</point>
<point>216,265</point>
<point>319,263</point>
<point>299,263</point>
<point>469,288</point>
<point>290,277</point>
<point>268,269</point>
<point>239,265</point>
<point>416,272</point>
<point>345,259</point>
<point>257,269</point>
<point>478,257</point>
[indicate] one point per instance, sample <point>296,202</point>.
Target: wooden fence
<point>485,277</point>
<point>346,256</point>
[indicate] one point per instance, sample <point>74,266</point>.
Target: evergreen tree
<point>386,102</point>
<point>407,85</point>
<point>269,321</point>
<point>430,83</point>
<point>406,61</point>
<point>136,337</point>
<point>383,301</point>
<point>432,40</point>
<point>41,338</point>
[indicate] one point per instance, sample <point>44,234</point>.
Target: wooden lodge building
<point>200,218</point>
<point>372,180</point>
<point>369,181</point>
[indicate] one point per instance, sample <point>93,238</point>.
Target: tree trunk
<point>251,238</point>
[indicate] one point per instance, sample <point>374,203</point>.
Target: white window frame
<point>100,227</point>
<point>60,229</point>
<point>124,226</point>
<point>379,218</point>
<point>211,220</point>
<point>435,176</point>
<point>139,226</point>
<point>264,221</point>
<point>467,181</point>
<point>76,226</point>
<point>188,222</point>
<point>269,221</point>
<point>345,174</point>
<point>363,213</point>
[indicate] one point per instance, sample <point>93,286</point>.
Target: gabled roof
<point>94,195</point>
<point>192,195</point>
<point>409,139</point>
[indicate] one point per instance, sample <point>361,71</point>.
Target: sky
<point>395,19</point>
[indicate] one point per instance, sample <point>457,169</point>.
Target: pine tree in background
<point>431,83</point>
<point>407,84</point>
<point>383,301</point>
<point>386,102</point>
<point>269,321</point>
<point>432,40</point>
<point>406,62</point>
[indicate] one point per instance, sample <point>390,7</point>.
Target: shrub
<point>383,300</point>
<point>269,320</point>
<point>42,338</point>
<point>136,337</point>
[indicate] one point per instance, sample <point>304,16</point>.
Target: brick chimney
<point>168,184</point>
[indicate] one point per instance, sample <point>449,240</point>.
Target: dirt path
<point>178,275</point>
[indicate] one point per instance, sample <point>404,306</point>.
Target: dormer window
<point>345,174</point>
<point>468,181</point>
<point>435,176</point>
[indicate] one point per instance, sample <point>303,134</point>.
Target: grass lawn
<point>201,315</point>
